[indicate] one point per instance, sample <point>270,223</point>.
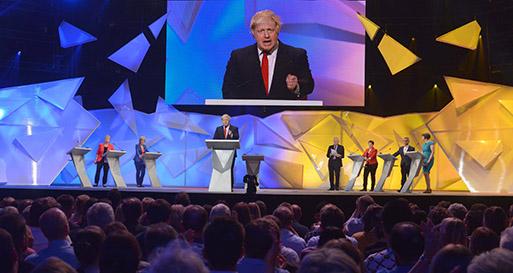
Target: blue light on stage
<point>71,35</point>
<point>19,52</point>
<point>2,113</point>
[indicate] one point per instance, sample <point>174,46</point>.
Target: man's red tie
<point>265,72</point>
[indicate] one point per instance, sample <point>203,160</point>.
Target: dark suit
<point>140,167</point>
<point>405,162</point>
<point>334,165</point>
<point>243,76</point>
<point>219,134</point>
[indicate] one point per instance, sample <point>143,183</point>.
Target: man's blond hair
<point>265,14</point>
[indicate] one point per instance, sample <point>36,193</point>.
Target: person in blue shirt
<point>140,166</point>
<point>428,150</point>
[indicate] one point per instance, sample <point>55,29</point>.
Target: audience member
<point>100,214</point>
<point>495,261</point>
<point>263,207</point>
<point>373,235</point>
<point>178,259</point>
<point>483,239</point>
<point>67,204</point>
<point>451,259</point>
<point>9,256</point>
<point>53,265</point>
<point>254,211</point>
<point>87,245</point>
<point>224,239</point>
<point>452,231</point>
<point>329,260</point>
<point>241,212</point>
<point>219,210</point>
<point>495,219</point>
<point>457,210</point>
<point>407,243</point>
<point>158,211</point>
<point>195,218</point>
<point>438,214</point>
<point>506,240</point>
<point>288,237</point>
<point>120,253</point>
<point>182,198</point>
<point>38,207</point>
<point>54,225</point>
<point>156,238</point>
<point>355,224</point>
<point>132,211</point>
<point>348,248</point>
<point>301,229</point>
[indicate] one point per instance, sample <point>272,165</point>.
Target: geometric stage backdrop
<point>39,123</point>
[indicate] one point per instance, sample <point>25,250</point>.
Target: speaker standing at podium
<point>405,160</point>
<point>371,165</point>
<point>140,167</point>
<point>101,161</point>
<point>335,154</point>
<point>227,131</point>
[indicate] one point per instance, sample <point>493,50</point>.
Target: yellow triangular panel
<point>370,27</point>
<point>508,104</point>
<point>396,55</point>
<point>483,151</point>
<point>466,91</point>
<point>466,36</point>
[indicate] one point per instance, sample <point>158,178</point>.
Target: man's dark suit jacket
<point>337,162</point>
<point>405,160</point>
<point>243,76</point>
<point>219,134</point>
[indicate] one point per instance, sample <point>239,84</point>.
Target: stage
<point>308,199</point>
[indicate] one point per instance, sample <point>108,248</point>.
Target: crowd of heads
<point>129,235</point>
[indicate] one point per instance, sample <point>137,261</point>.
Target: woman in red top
<point>101,161</point>
<point>371,165</point>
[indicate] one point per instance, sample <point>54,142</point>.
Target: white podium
<point>151,165</point>
<point>77,156</point>
<point>416,164</point>
<point>355,172</point>
<point>388,164</point>
<point>115,168</point>
<point>223,153</point>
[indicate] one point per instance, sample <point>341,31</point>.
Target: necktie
<point>225,131</point>
<point>142,149</point>
<point>265,72</point>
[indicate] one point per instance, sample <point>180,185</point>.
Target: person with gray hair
<point>458,210</point>
<point>328,260</point>
<point>496,261</point>
<point>177,258</point>
<point>219,210</point>
<point>100,214</point>
<point>227,131</point>
<point>54,225</point>
<point>506,241</point>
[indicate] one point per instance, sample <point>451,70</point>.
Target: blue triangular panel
<point>156,26</point>
<point>122,97</point>
<point>71,35</point>
<point>8,106</point>
<point>35,145</point>
<point>132,54</point>
<point>61,92</point>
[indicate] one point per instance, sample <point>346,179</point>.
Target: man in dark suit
<point>268,69</point>
<point>335,154</point>
<point>405,160</point>
<point>227,131</point>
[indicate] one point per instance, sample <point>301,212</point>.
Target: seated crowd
<point>114,235</point>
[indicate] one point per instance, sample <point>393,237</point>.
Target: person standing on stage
<point>335,154</point>
<point>140,166</point>
<point>428,150</point>
<point>268,69</point>
<point>101,161</point>
<point>227,131</point>
<point>371,165</point>
<point>405,160</point>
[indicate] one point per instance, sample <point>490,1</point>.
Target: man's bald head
<point>54,224</point>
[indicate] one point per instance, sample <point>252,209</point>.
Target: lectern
<point>253,164</point>
<point>355,172</point>
<point>223,153</point>
<point>388,164</point>
<point>416,164</point>
<point>115,168</point>
<point>77,156</point>
<point>151,165</point>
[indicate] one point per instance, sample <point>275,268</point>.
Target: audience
<point>89,235</point>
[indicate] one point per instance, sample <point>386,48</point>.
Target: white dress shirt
<point>405,149</point>
<point>271,58</point>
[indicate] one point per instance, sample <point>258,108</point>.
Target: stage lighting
<point>435,86</point>
<point>19,52</point>
<point>369,87</point>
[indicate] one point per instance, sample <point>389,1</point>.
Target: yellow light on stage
<point>397,57</point>
<point>465,36</point>
<point>370,27</point>
<point>435,86</point>
<point>369,87</point>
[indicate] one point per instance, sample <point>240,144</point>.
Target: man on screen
<point>227,131</point>
<point>268,69</point>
